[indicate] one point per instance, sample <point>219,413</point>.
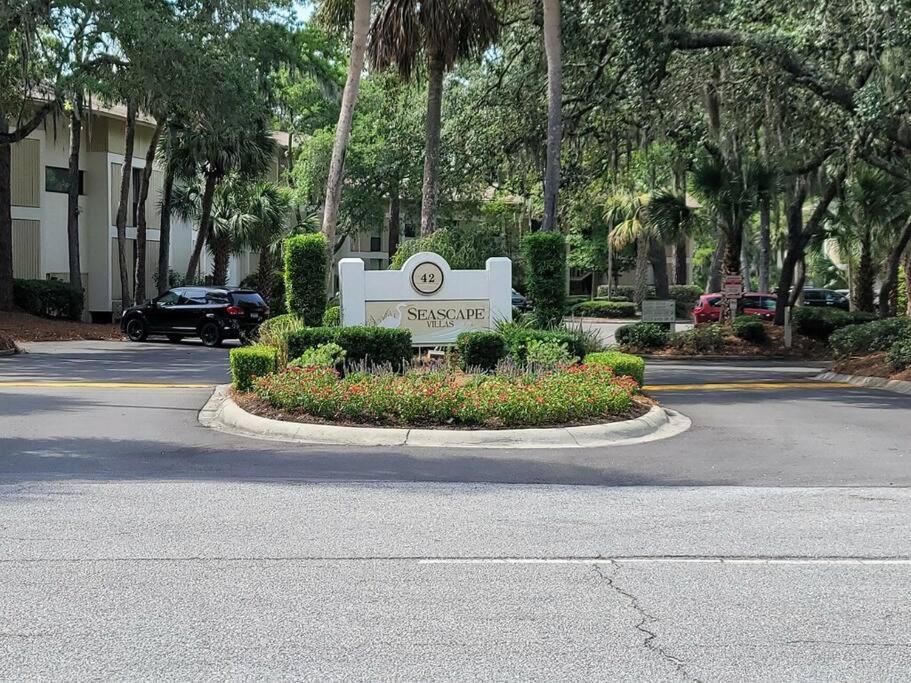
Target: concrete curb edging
<point>896,385</point>
<point>223,414</point>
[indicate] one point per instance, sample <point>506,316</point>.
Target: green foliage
<point>701,339</point>
<point>322,356</point>
<point>369,345</point>
<point>603,308</point>
<point>440,398</point>
<point>900,354</point>
<point>623,364</point>
<point>465,247</point>
<point>642,336</point>
<point>483,350</point>
<point>332,317</point>
<point>250,362</point>
<point>48,298</point>
<point>548,355</point>
<point>685,296</point>
<point>544,256</point>
<point>749,329</point>
<point>902,296</point>
<point>518,339</point>
<point>306,266</point>
<point>879,335</point>
<point>274,332</point>
<point>819,323</point>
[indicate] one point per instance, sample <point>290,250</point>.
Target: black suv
<point>210,313</point>
<point>825,297</point>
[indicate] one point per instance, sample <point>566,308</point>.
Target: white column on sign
<point>499,285</point>
<point>352,291</point>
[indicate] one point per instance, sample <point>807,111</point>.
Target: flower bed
<point>581,393</point>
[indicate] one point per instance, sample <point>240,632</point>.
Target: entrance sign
<point>427,297</point>
<point>659,311</point>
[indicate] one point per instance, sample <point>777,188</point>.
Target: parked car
<point>519,301</point>
<point>825,297</point>
<point>210,313</point>
<point>708,308</point>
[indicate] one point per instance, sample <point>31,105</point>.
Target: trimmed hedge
<point>544,260</point>
<point>482,350</point>
<point>642,336</point>
<point>749,329</point>
<point>623,364</point>
<point>371,345</point>
<point>820,323</point>
<point>517,340</point>
<point>250,362</point>
<point>878,335</point>
<point>685,296</point>
<point>48,298</point>
<point>701,339</point>
<point>604,308</point>
<point>332,317</point>
<point>306,270</point>
<point>900,354</point>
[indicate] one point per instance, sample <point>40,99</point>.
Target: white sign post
<point>427,297</point>
<point>659,311</point>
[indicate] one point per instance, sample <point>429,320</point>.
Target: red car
<point>708,308</point>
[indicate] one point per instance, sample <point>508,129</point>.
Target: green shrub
<point>548,355</point>
<point>623,364</point>
<point>819,323</point>
<point>580,392</point>
<point>369,345</point>
<point>518,338</point>
<point>306,268</point>
<point>544,255</point>
<point>322,356</point>
<point>603,308</point>
<point>701,339</point>
<point>249,362</point>
<point>878,335</point>
<point>749,329</point>
<point>642,336</point>
<point>482,350</point>
<point>685,296</point>
<point>332,317</point>
<point>274,332</point>
<point>48,298</point>
<point>900,354</point>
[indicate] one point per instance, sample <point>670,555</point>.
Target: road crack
<point>645,620</point>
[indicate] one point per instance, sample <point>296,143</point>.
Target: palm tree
<point>337,13</point>
<point>439,33</point>
<point>554,112</point>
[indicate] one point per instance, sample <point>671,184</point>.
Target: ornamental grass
<point>581,393</point>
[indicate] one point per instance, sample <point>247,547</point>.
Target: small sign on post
<point>732,292</point>
<point>659,311</point>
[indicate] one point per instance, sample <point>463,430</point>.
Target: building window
<point>376,243</point>
<point>57,179</point>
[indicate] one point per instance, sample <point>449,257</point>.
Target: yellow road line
<point>748,386</point>
<point>104,385</point>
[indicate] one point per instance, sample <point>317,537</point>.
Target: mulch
<point>873,365</point>
<point>802,348</point>
<point>24,327</point>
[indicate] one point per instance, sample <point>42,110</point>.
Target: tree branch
<point>21,132</point>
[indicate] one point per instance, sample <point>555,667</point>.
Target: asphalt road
<point>769,542</point>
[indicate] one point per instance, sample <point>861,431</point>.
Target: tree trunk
<point>658,260</point>
<point>6,223</point>
<point>733,244</point>
<point>164,240</point>
<point>140,287</point>
<point>264,271</point>
<point>72,198</point>
<point>908,283</point>
<point>641,290</point>
<point>680,262</point>
<point>889,286</point>
<point>745,266</point>
<point>431,187</point>
<point>395,217</point>
<point>221,253</point>
<point>552,48</point>
<point>714,282</point>
<point>205,226</point>
<point>866,273</point>
<point>765,244</point>
<point>125,177</point>
<point>343,128</point>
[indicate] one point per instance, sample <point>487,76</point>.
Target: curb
<point>8,352</point>
<point>223,414</point>
<point>895,385</point>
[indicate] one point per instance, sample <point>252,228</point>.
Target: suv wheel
<point>210,334</point>
<point>136,330</point>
